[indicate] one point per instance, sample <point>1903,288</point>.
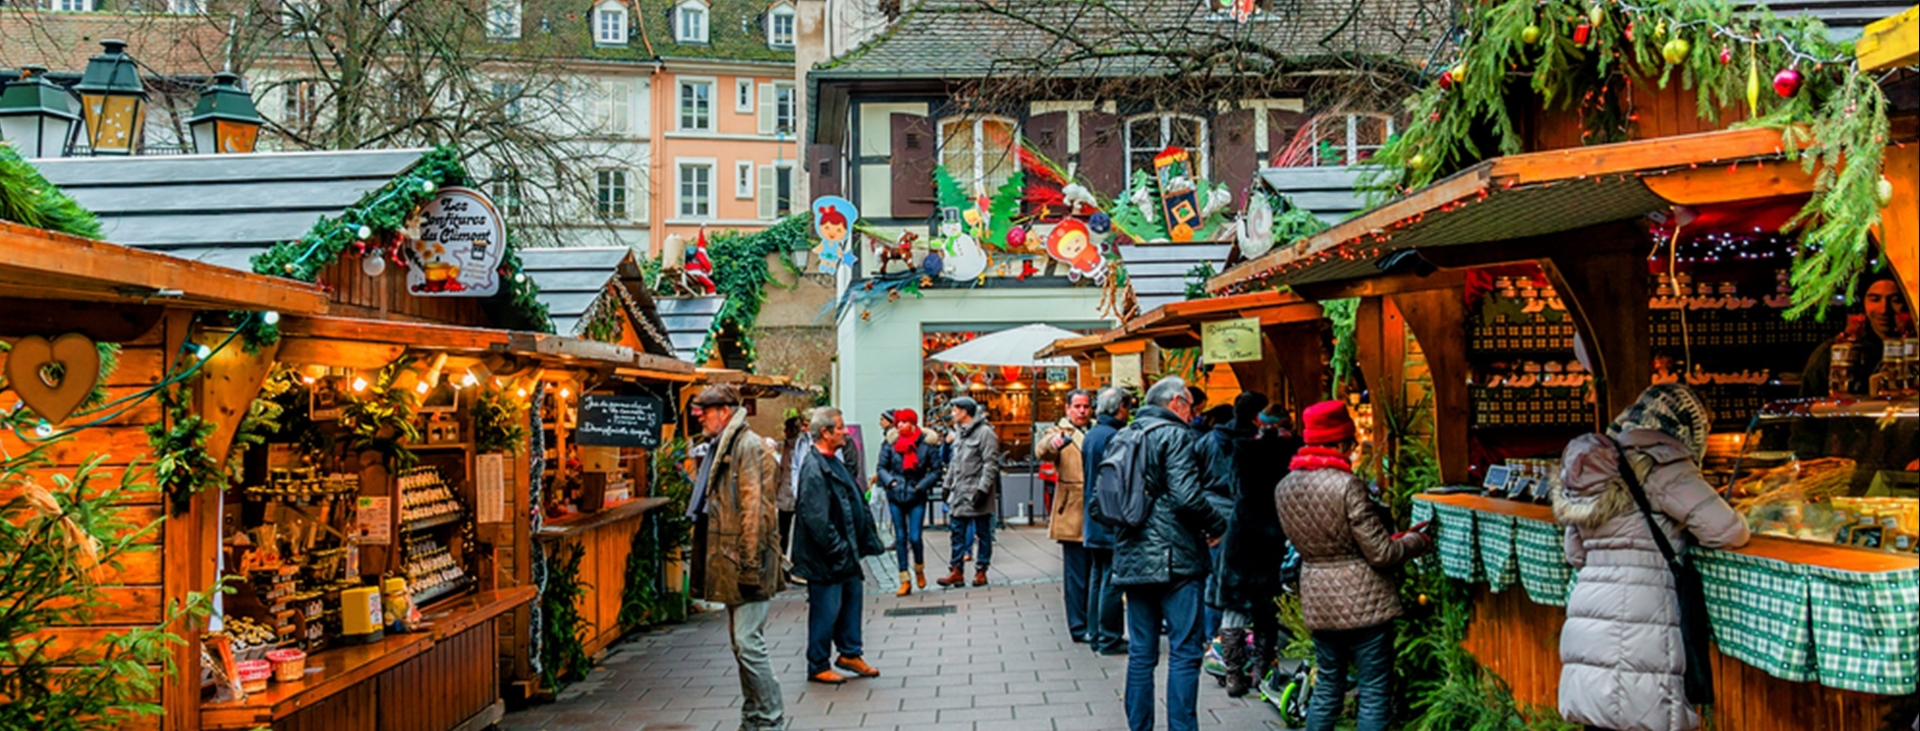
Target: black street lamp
<point>224,120</point>
<point>36,116</point>
<point>113,100</point>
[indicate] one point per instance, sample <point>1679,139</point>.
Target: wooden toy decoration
<point>53,377</point>
<point>1256,227</point>
<point>900,251</point>
<point>1173,169</point>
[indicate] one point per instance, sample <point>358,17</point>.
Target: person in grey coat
<point>973,489</point>
<point>1622,661</point>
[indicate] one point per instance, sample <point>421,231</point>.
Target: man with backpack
<point>1106,620</point>
<point>1149,489</point>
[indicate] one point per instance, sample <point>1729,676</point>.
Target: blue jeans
<point>1074,560</point>
<point>906,532</point>
<point>1213,616</point>
<point>970,531</point>
<point>833,619</point>
<point>1107,629</point>
<point>1371,649</point>
<point>1177,604</point>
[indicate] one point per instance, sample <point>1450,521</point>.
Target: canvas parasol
<point>1010,348</point>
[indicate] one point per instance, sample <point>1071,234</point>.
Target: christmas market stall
<point>1499,307</point>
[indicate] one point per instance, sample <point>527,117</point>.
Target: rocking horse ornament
<point>900,251</point>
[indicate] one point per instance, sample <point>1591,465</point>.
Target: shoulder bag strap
<point>1646,509</point>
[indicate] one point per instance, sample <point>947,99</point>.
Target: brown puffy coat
<point>1345,548</point>
<point>743,524</point>
<point>1069,511</point>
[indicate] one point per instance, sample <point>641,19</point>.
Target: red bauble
<point>1726,55</point>
<point>1787,82</point>
<point>1580,33</point>
<point>1016,238</point>
<point>1446,79</point>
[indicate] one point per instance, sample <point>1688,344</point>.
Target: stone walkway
<point>1001,660</point>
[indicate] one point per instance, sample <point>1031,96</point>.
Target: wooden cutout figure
<point>698,278</point>
<point>53,377</point>
<point>1173,169</point>
<point>900,251</point>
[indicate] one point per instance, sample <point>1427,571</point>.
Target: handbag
<point>1696,631</point>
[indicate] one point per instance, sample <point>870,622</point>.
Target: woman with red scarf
<point>909,468</point>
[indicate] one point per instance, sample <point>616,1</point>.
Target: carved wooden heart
<point>53,377</point>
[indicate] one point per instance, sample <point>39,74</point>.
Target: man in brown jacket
<point>1347,596</point>
<point>1061,444</point>
<point>735,492</point>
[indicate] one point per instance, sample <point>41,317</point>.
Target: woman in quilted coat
<point>1620,651</point>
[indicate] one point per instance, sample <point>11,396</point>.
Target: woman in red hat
<point>1346,549</point>
<point>909,467</point>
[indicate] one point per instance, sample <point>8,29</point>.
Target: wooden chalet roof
<point>44,265</point>
<point>221,209</point>
<point>689,322</point>
<point>572,281</point>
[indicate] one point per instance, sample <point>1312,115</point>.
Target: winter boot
<point>980,577</point>
<point>1233,654</point>
<point>906,585</point>
<point>920,575</point>
<point>957,578</point>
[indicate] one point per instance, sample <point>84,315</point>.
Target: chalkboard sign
<point>619,421</point>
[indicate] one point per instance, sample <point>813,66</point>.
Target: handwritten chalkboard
<point>619,421</point>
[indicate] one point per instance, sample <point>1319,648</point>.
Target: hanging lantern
<point>224,120</point>
<point>36,117</point>
<point>113,101</point>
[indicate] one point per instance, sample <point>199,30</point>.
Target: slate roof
<point>688,321</point>
<point>1326,191</point>
<point>221,209</point>
<point>963,38</point>
<point>1157,273</point>
<point>736,31</point>
<point>571,280</point>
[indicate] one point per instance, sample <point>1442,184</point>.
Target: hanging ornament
<point>1883,190</point>
<point>1418,161</point>
<point>1787,82</point>
<point>1660,29</point>
<point>1530,34</point>
<point>1726,55</point>
<point>1580,33</point>
<point>1629,31</point>
<point>1446,80</point>
<point>373,265</point>
<point>1596,15</point>
<point>1675,51</point>
<point>1753,85</point>
<point>1100,223</point>
<point>1016,239</point>
<point>1459,72</point>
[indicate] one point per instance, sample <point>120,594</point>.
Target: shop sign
<point>1230,341</point>
<point>459,243</point>
<point>1057,375</point>
<point>619,421</point>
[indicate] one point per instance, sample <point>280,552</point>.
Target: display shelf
<point>438,447</point>
<point>433,522</point>
<point>442,590</point>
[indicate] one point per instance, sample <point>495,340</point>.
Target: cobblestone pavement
<point>1000,661</point>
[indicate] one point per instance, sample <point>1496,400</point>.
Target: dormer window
<point>780,26</point>
<point>610,24</point>
<point>690,22</point>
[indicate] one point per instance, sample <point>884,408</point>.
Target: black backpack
<point>1120,482</point>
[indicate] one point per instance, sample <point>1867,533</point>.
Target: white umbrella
<point>1014,347</point>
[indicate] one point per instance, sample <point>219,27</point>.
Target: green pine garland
<point>1838,116</point>
<point>563,654</point>
<point>181,464</point>
<point>642,599</point>
<point>28,199</point>
<point>740,276</point>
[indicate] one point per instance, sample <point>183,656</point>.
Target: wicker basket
<point>288,665</point>
<point>1808,481</point>
<point>254,675</point>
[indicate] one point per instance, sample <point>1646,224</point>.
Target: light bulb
<point>566,393</point>
<point>44,429</point>
<point>422,387</point>
<point>202,352</point>
<point>469,380</point>
<point>520,278</point>
<point>307,380</point>
<point>270,317</point>
<point>365,232</point>
<point>521,392</point>
<point>427,185</point>
<point>373,265</point>
<point>359,384</point>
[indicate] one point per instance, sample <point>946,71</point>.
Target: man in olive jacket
<point>833,530</point>
<point>1163,563</point>
<point>734,493</point>
<point>973,489</point>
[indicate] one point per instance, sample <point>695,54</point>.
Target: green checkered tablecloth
<point>1759,611</point>
<point>1541,551</point>
<point>1459,552</point>
<point>1423,511</point>
<point>1497,556</point>
<point>1865,629</point>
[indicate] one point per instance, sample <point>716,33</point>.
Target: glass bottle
<point>1841,373</point>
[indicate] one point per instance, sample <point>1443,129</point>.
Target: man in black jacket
<point>833,530</point>
<point>1162,563</point>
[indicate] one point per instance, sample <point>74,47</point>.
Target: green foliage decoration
<point>1341,313</point>
<point>740,276</point>
<point>665,530</point>
<point>382,419</point>
<point>28,199</point>
<point>181,463</point>
<point>1196,280</point>
<point>262,420</point>
<point>499,421</point>
<point>1005,209</point>
<point>1838,117</point>
<point>563,654</point>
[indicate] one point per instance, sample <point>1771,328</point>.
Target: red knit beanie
<point>1326,422</point>
<point>906,416</point>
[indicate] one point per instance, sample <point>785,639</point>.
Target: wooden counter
<point>581,523</point>
<point>605,539</point>
<point>347,688</point>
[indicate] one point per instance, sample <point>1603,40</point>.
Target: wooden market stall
<point>1504,263</point>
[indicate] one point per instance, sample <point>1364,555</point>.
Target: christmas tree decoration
<point>373,265</point>
<point>1017,238</point>
<point>1446,79</point>
<point>1580,34</point>
<point>1753,86</point>
<point>1675,51</point>
<point>1596,15</point>
<point>1883,191</point>
<point>1459,72</point>
<point>1530,34</point>
<point>1787,82</point>
<point>1726,55</point>
<point>1418,161</point>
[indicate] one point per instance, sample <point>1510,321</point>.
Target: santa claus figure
<point>699,271</point>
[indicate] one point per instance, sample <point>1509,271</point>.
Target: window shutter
<point>769,197</point>
<point>1103,152</point>
<point>912,159</point>
<point>823,170</point>
<point>1232,154</point>
<point>767,114</point>
<point>1048,133</point>
<point>1282,126</point>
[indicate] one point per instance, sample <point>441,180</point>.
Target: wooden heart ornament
<point>53,377</point>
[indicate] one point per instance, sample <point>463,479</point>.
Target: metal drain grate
<point>929,611</point>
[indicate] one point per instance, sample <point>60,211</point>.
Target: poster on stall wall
<point>1230,341</point>
<point>490,488</point>
<point>454,245</point>
<point>373,521</point>
<point>1126,370</point>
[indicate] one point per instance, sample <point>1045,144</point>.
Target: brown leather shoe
<point>827,677</point>
<point>980,577</point>
<point>857,666</point>
<point>920,575</point>
<point>957,578</point>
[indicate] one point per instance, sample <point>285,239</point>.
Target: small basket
<point>254,675</point>
<point>288,665</point>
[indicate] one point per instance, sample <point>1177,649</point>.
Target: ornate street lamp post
<point>36,116</point>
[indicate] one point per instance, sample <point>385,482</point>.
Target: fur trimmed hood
<point>1588,490</point>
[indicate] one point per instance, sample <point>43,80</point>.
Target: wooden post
<point>1298,350</point>
<point>1601,273</point>
<point>1380,349</point>
<point>1898,233</point>
<point>181,552</point>
<point>1438,319</point>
